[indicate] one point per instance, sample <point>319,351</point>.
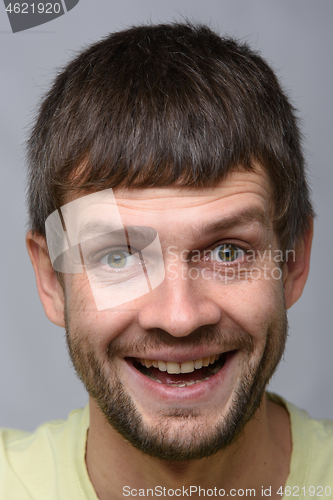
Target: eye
<point>227,252</point>
<point>118,259</point>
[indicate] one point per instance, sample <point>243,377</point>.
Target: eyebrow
<point>95,229</point>
<point>253,214</point>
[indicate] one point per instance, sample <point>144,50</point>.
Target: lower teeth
<point>186,384</point>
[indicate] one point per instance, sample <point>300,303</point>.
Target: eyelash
<point>229,247</point>
<point>208,260</point>
<point>99,260</point>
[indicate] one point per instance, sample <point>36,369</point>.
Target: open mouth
<point>181,374</point>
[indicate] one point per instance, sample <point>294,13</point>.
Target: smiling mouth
<point>181,374</point>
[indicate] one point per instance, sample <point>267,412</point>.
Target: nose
<point>179,306</point>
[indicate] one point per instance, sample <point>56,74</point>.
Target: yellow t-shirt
<point>311,466</point>
<point>49,464</point>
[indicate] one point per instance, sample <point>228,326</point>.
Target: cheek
<point>85,321</point>
<point>78,294</point>
<point>253,305</point>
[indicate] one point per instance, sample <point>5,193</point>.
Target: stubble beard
<point>191,438</point>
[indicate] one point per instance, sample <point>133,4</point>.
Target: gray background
<point>37,382</point>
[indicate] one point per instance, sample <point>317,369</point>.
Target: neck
<point>259,459</point>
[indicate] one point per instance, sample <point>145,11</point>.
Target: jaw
<point>165,414</point>
<point>187,422</point>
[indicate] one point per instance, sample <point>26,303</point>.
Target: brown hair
<point>166,105</point>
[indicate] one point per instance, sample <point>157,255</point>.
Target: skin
<point>178,310</point>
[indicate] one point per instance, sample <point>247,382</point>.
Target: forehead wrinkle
<point>95,229</point>
<point>252,214</point>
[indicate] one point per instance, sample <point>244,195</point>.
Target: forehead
<point>174,209</point>
<point>240,190</point>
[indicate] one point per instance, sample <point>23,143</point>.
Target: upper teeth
<point>186,367</point>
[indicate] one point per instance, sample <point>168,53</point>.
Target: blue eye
<point>118,259</point>
<point>227,252</point>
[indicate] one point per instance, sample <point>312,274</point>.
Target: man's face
<point>221,304</point>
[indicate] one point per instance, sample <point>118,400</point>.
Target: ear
<point>296,267</point>
<point>50,291</point>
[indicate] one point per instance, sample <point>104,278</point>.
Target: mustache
<point>208,337</point>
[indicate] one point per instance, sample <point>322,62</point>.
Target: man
<point>171,229</point>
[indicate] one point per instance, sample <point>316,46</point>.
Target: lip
<point>200,391</point>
